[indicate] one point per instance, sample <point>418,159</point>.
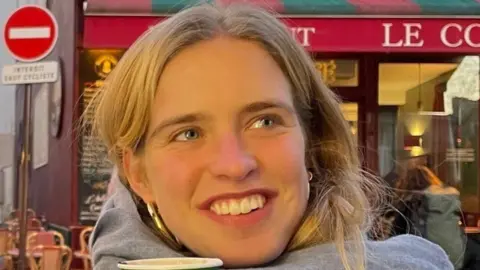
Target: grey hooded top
<point>121,235</point>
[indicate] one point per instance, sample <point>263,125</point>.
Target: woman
<point>428,208</point>
<point>229,145</point>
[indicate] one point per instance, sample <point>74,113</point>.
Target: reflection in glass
<point>338,72</point>
<point>350,113</point>
<point>428,115</point>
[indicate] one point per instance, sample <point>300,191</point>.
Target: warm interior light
<point>412,141</point>
<point>416,151</point>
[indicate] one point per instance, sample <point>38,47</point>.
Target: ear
<point>132,166</point>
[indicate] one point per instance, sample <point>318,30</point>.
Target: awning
<point>301,7</point>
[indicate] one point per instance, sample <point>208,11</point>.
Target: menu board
<point>94,166</point>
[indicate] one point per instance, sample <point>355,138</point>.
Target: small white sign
<point>460,154</point>
<point>40,72</point>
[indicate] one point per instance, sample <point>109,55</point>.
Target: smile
<point>240,210</point>
<point>239,206</point>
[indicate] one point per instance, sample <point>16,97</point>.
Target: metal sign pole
<point>30,49</point>
<point>24,176</point>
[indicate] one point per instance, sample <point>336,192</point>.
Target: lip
<point>268,193</point>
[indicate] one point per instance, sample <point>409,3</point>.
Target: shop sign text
<point>451,35</point>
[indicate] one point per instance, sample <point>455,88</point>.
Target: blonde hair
<point>338,209</point>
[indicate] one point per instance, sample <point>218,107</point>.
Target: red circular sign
<point>30,33</point>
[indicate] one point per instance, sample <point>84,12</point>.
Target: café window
<point>428,116</point>
<point>338,72</point>
<point>94,166</point>
<point>350,114</point>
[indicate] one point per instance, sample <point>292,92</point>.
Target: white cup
<point>180,263</point>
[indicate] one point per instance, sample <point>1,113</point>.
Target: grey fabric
<point>442,222</point>
<point>121,235</point>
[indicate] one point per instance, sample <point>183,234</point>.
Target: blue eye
<point>266,122</point>
<point>187,135</point>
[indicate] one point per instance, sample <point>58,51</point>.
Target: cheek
<point>284,163</point>
<point>171,178</point>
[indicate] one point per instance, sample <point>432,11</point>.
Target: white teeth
<point>238,206</point>
<point>225,209</point>
<point>261,201</point>
<point>234,208</point>
<point>217,208</point>
<point>253,202</point>
<point>245,206</point>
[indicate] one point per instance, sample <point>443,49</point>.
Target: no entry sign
<point>30,33</point>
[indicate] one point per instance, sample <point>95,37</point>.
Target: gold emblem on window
<point>328,71</point>
<point>105,64</point>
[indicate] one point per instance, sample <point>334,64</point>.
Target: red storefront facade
<point>375,48</point>
<point>334,34</point>
<point>407,83</point>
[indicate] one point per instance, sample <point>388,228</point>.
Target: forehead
<point>220,73</point>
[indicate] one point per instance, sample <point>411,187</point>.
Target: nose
<point>230,160</point>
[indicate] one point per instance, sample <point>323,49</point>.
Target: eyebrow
<point>263,105</point>
<point>177,120</point>
<point>196,117</point>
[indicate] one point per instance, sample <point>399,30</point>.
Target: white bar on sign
<point>29,32</point>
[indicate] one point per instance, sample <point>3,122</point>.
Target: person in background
<point>230,146</point>
<point>428,208</point>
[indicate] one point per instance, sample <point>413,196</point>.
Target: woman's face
<point>225,154</point>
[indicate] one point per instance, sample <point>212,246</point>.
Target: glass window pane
<point>350,113</point>
<point>428,116</point>
<point>94,166</point>
<point>338,72</point>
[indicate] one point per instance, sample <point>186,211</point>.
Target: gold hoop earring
<point>167,236</point>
